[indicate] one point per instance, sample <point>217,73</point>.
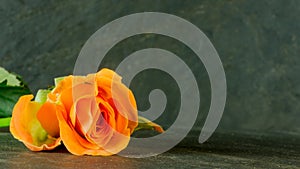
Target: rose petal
<point>47,117</point>
<point>117,143</point>
<point>119,96</point>
<point>109,74</point>
<point>73,142</point>
<point>26,127</point>
<point>71,88</point>
<point>103,125</point>
<point>84,111</point>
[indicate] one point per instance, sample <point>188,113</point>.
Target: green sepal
<point>41,95</point>
<point>58,79</point>
<point>145,124</point>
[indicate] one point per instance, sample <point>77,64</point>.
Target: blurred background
<point>257,41</point>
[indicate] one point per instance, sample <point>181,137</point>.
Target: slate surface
<point>230,150</point>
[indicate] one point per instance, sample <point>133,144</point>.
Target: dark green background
<point>258,43</point>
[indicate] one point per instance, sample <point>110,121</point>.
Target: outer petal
<point>47,117</point>
<point>125,105</point>
<point>109,74</point>
<point>117,143</point>
<point>26,127</point>
<point>71,88</point>
<point>73,141</point>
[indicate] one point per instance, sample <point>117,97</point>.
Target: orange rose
<point>97,113</point>
<point>93,114</point>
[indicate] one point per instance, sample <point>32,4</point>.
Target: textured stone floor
<point>223,150</point>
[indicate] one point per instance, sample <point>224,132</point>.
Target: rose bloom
<point>96,114</point>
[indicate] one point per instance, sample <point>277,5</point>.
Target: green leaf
<point>11,88</point>
<point>145,124</point>
<point>10,78</point>
<point>9,95</point>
